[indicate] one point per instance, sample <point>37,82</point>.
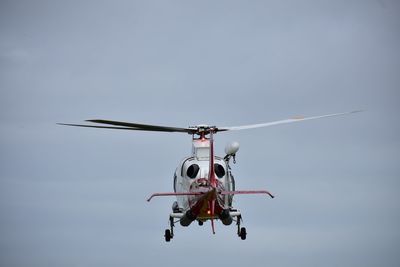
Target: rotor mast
<point>201,141</point>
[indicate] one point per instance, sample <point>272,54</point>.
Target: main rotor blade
<point>144,127</point>
<point>95,126</point>
<point>295,119</point>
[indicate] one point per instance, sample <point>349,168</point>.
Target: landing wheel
<point>243,233</point>
<point>168,235</point>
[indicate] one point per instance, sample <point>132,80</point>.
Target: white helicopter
<point>203,183</point>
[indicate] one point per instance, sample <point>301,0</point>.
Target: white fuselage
<point>195,168</point>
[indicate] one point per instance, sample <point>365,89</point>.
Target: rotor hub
<point>203,129</point>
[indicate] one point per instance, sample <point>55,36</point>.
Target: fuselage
<point>192,174</point>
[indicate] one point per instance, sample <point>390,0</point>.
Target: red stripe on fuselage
<point>211,171</point>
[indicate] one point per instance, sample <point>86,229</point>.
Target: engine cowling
<point>226,217</point>
<point>188,218</point>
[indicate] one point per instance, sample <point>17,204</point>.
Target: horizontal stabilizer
<point>174,194</point>
<point>246,192</point>
<point>242,192</point>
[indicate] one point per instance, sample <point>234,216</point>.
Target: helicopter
<point>203,183</point>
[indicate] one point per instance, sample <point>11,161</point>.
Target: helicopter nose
<point>202,182</point>
<point>204,172</point>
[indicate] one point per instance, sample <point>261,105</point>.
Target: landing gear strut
<point>169,233</point>
<point>241,231</point>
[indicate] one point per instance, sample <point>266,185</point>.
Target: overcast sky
<point>76,196</point>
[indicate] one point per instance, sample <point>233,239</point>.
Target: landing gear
<point>169,233</point>
<point>241,231</point>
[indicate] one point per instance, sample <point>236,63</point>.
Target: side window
<point>192,171</point>
<point>175,178</point>
<point>219,170</point>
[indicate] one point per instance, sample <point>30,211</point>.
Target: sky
<point>76,196</point>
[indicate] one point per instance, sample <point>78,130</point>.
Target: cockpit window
<point>192,171</point>
<point>219,170</point>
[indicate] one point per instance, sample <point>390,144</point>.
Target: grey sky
<point>76,197</point>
